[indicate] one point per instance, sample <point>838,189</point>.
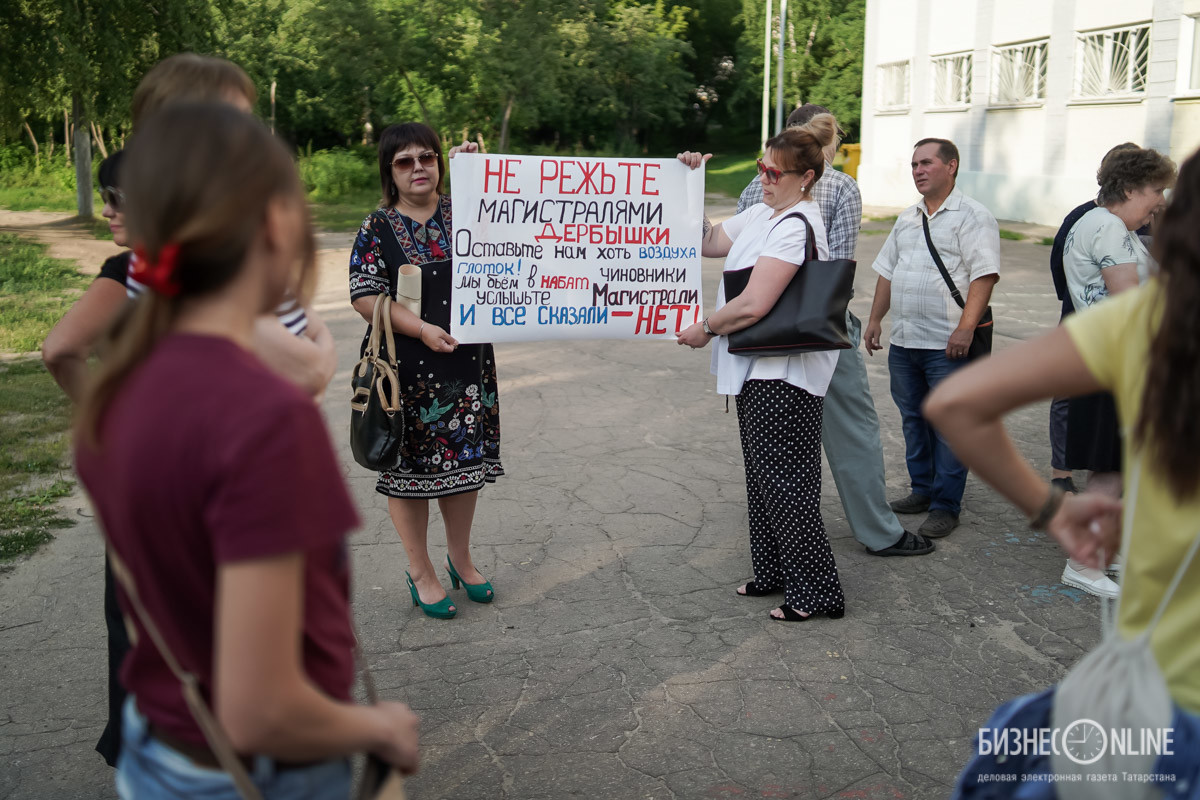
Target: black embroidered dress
<point>452,437</point>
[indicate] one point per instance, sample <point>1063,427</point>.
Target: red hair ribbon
<point>158,274</point>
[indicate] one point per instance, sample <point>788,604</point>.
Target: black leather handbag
<point>376,412</point>
<point>981,342</point>
<point>810,314</point>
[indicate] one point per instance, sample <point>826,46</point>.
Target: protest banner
<point>574,248</point>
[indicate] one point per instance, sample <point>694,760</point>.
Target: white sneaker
<point>1092,581</point>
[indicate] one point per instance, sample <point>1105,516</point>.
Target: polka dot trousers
<point>780,428</point>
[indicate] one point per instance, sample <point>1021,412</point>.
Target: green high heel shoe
<point>443,609</point>
<point>476,592</point>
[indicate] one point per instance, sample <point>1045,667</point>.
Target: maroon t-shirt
<point>206,458</point>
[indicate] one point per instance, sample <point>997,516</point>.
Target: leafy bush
<point>331,175</point>
<point>47,184</point>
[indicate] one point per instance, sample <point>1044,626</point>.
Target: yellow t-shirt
<point>1114,339</point>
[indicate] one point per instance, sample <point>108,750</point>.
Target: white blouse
<point>755,234</point>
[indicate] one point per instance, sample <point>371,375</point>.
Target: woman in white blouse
<point>1102,257</point>
<point>779,398</point>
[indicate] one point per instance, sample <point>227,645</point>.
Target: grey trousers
<point>850,433</point>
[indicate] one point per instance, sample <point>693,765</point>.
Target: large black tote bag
<point>810,315</point>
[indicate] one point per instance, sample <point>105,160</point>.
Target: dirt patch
<point>65,234</point>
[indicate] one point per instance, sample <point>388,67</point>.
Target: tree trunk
<point>37,158</point>
<point>504,124</point>
<point>83,159</point>
<point>417,95</point>
<point>67,134</point>
<point>99,137</point>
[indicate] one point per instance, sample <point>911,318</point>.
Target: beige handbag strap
<point>218,742</point>
<point>381,327</point>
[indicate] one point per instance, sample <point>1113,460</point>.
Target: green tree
<point>88,55</point>
<point>644,58</point>
<point>823,59</point>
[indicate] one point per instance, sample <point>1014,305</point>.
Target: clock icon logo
<point>1084,741</point>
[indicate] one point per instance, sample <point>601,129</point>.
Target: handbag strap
<point>214,735</point>
<point>810,242</point>
<point>381,318</point>
<point>937,259</point>
<point>218,742</point>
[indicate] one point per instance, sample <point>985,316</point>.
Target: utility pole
<point>766,92</point>
<point>779,71</point>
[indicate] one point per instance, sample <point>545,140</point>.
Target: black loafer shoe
<point>910,544</point>
<point>913,504</point>
<point>1066,484</point>
<point>939,523</point>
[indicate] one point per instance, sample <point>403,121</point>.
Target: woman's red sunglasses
<point>771,176</point>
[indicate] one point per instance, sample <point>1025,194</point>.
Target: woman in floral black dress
<point>452,437</point>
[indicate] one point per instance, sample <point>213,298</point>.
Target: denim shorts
<point>149,770</point>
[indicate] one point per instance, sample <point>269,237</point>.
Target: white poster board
<point>574,248</point>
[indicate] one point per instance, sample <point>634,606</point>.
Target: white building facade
<point>1033,92</point>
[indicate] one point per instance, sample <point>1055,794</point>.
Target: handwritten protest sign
<point>574,248</point>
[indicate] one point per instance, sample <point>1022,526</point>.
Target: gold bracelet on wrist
<point>1039,521</point>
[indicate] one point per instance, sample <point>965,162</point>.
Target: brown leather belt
<point>202,756</point>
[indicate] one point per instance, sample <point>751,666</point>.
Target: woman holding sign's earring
<point>451,404</point>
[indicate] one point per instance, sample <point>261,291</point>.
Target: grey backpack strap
<point>1126,537</point>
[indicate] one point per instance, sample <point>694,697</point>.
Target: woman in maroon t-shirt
<point>234,535</point>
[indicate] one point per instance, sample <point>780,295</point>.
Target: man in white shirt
<point>930,334</point>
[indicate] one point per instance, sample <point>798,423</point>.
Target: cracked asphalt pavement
<point>616,661</point>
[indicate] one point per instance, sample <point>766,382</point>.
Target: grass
<point>890,218</point>
<point>1047,240</point>
<point>35,418</point>
<point>34,292</point>
<point>1011,235</point>
<point>99,226</point>
<point>38,198</point>
<point>346,213</point>
<point>729,174</point>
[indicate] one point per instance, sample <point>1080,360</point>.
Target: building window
<point>952,80</point>
<point>1112,63</point>
<point>891,89</point>
<point>1019,73</point>
<point>1194,83</point>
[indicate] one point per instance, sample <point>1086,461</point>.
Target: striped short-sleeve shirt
<point>291,314</point>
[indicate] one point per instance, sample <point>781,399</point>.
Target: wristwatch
<point>708,330</point>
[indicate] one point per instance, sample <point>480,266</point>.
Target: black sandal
<point>754,590</point>
<point>910,544</point>
<point>791,615</point>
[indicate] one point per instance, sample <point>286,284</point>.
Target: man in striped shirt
<point>931,335</point>
<point>849,425</point>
